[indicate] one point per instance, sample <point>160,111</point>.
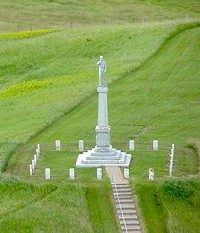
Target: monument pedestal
<point>103,157</point>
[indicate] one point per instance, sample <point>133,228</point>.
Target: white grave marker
<point>35,159</point>
<point>38,147</point>
<point>47,174</point>
<point>151,174</point>
<point>30,169</point>
<point>58,145</point>
<point>37,153</point>
<point>33,164</point>
<point>71,174</point>
<point>170,169</point>
<point>99,173</point>
<point>81,145</point>
<point>126,173</point>
<point>155,144</point>
<point>131,145</point>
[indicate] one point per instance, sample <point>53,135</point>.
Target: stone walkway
<point>124,201</point>
<point>116,174</point>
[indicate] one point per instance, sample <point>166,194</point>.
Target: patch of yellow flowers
<point>29,87</point>
<point>26,34</point>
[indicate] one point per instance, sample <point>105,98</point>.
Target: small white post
<point>71,174</point>
<point>99,173</point>
<point>38,147</point>
<point>170,169</point>
<point>37,153</point>
<point>33,164</point>
<point>47,174</point>
<point>58,145</point>
<point>151,174</point>
<point>30,170</point>
<point>81,145</point>
<point>155,144</point>
<point>131,145</point>
<point>35,159</point>
<point>126,173</point>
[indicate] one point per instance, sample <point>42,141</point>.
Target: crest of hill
<point>24,15</point>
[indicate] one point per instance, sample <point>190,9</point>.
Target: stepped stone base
<point>98,157</point>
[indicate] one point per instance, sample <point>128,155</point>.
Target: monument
<point>103,154</point>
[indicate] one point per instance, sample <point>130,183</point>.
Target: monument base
<point>97,157</point>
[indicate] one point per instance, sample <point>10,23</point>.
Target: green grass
<point>170,205</point>
<point>61,207</point>
<point>38,73</point>
<point>159,100</point>
<point>48,91</point>
<point>27,15</point>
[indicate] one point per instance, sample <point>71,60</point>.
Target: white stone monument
<point>35,160</point>
<point>47,173</point>
<point>81,145</point>
<point>33,164</point>
<point>151,174</point>
<point>30,170</point>
<point>126,173</point>
<point>71,174</point>
<point>155,144</point>
<point>37,153</point>
<point>131,145</point>
<point>58,145</point>
<point>38,147</point>
<point>99,174</point>
<point>103,154</point>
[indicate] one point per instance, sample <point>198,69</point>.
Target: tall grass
<point>28,15</point>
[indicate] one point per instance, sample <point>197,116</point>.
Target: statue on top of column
<point>102,71</point>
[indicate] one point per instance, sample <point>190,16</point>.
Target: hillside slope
<point>32,14</point>
<point>159,100</point>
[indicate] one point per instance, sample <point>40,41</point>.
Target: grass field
<point>48,91</point>
<point>28,15</point>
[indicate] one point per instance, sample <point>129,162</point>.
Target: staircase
<point>125,207</point>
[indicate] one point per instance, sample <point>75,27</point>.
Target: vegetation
<point>48,91</point>
<point>32,14</point>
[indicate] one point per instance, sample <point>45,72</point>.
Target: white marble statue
<point>102,71</point>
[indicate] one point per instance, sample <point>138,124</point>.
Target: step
<point>125,206</point>
<point>125,201</point>
<point>133,228</point>
<point>126,211</point>
<point>128,217</point>
<point>122,190</point>
<point>121,186</point>
<point>130,222</point>
<point>132,231</point>
<point>123,193</point>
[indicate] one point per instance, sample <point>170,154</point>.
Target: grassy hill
<point>48,91</point>
<point>32,14</point>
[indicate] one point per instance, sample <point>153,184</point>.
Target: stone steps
<point>125,208</point>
